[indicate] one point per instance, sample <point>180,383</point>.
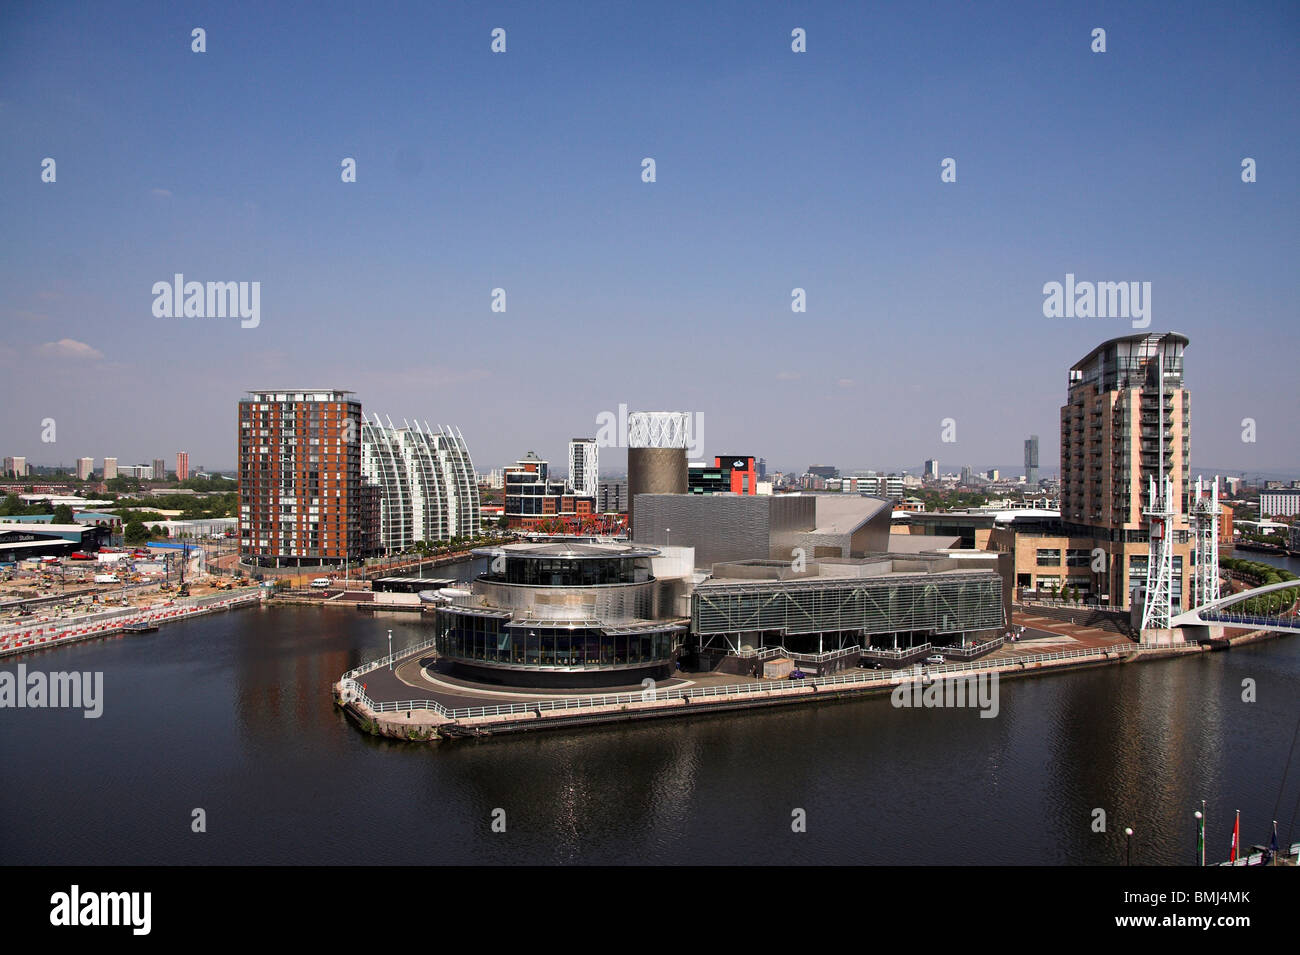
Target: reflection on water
<point>232,713</point>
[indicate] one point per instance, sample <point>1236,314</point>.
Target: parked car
<point>797,674</point>
<point>934,658</point>
<point>865,664</point>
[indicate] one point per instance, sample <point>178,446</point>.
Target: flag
<point>1271,851</point>
<point>1236,838</point>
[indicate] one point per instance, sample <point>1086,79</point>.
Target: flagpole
<point>1236,837</point>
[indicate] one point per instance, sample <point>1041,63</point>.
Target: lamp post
<point>1203,816</point>
<point>1200,838</point>
<point>1128,846</point>
<point>668,533</point>
<point>390,649</point>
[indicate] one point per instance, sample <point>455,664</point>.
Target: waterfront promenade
<point>409,697</point>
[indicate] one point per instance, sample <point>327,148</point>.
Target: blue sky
<point>522,171</point>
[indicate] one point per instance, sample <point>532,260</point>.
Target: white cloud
<point>69,348</point>
<point>787,376</point>
<point>161,193</point>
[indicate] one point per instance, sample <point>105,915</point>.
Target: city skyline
<point>776,171</point>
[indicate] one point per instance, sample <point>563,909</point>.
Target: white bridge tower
<point>1205,525</point>
<point>1160,558</point>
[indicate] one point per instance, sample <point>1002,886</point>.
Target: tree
<point>63,514</point>
<point>135,532</point>
<point>12,505</point>
<point>157,531</point>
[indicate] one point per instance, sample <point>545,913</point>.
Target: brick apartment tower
<point>182,465</point>
<point>1110,447</point>
<point>300,492</point>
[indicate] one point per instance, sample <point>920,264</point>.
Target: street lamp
<point>1128,841</point>
<point>668,533</point>
<point>1200,837</point>
<point>390,649</point>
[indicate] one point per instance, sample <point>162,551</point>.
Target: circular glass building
<point>560,614</point>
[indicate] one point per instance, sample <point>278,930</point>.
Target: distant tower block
<point>1205,528</point>
<point>656,455</point>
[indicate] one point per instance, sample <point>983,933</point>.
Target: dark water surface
<point>232,713</point>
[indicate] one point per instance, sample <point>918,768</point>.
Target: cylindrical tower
<point>656,456</point>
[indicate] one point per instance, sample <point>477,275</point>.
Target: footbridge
<point>1226,611</point>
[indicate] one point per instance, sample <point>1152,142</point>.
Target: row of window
<point>484,639</point>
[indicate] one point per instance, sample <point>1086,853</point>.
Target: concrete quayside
<point>406,698</point>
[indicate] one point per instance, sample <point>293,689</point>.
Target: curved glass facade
<point>560,613</point>
<point>489,640</point>
<point>572,572</point>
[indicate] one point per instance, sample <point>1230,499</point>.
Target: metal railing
<point>826,656</point>
<point>973,649</point>
<point>389,658</point>
<point>1254,620</point>
<point>787,687</point>
<point>898,654</point>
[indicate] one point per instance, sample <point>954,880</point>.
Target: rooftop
<point>567,549</point>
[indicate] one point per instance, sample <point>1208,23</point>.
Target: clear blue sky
<point>523,171</point>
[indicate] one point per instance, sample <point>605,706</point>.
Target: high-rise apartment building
<point>300,488</point>
<point>427,487</point>
<point>611,497</point>
<point>182,465</point>
<point>159,469</point>
<point>110,468</point>
<point>1031,461</point>
<point>584,467</point>
<point>85,468</point>
<point>15,467</point>
<point>1112,445</point>
<point>931,469</point>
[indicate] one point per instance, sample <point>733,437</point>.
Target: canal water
<point>232,714</point>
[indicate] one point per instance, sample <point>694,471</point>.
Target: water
<point>232,714</point>
<point>1277,560</point>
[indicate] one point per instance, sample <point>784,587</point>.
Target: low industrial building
<point>19,540</point>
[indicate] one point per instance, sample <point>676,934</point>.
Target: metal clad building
<point>656,456</point>
<point>723,527</point>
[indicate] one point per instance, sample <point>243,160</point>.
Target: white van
<point>106,579</point>
<point>321,583</point>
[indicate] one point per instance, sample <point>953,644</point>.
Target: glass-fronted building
<point>561,614</point>
<point>824,613</point>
